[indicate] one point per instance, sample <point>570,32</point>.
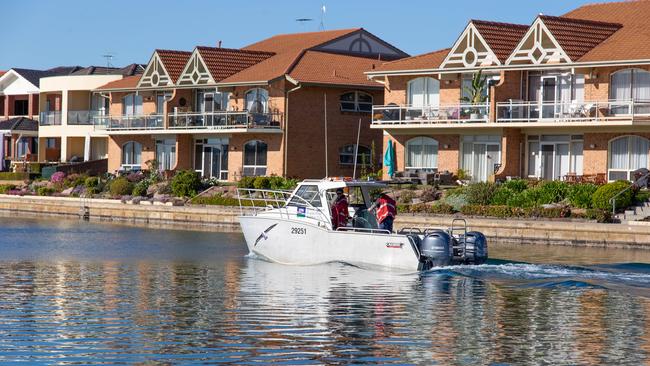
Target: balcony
<point>224,120</point>
<point>82,117</point>
<point>128,122</point>
<point>50,118</point>
<point>590,111</point>
<point>429,115</point>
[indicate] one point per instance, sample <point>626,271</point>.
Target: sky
<point>41,34</point>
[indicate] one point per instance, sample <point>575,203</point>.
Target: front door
<point>555,161</point>
<point>549,96</point>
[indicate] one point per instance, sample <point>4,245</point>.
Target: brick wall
<point>274,157</point>
<point>115,149</point>
<point>511,153</point>
<point>595,158</point>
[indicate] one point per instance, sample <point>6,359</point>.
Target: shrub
<point>601,216</point>
<point>580,195</point>
<point>442,208</point>
<point>13,176</point>
<point>91,182</point>
<point>552,192</point>
<point>501,195</point>
<point>45,191</point>
<point>4,188</point>
<point>57,177</point>
<point>462,174</point>
<point>135,177</point>
<point>406,197</point>
<point>121,187</point>
<point>262,183</point>
<point>525,199</point>
<point>185,183</point>
<point>457,201</point>
<point>140,189</point>
<point>429,194</point>
<point>479,193</point>
<point>516,185</point>
<point>74,180</point>
<point>246,182</point>
<point>604,193</point>
<point>221,200</point>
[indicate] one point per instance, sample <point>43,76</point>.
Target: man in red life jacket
<point>340,210</point>
<point>386,211</point>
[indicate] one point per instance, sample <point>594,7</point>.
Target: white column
<point>64,149</point>
<point>87,148</point>
<point>64,108</point>
<point>2,151</point>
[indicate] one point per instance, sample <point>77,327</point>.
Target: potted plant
<point>474,94</point>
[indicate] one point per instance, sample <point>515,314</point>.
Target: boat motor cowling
<point>476,251</point>
<point>436,248</point>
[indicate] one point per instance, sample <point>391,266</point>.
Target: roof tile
<point>337,69</point>
<point>174,62</point>
<point>431,60</point>
<point>502,38</point>
<point>224,62</point>
<point>578,36</point>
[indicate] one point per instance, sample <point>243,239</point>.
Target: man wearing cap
<point>386,211</point>
<point>340,210</point>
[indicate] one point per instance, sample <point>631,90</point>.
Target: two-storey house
<point>567,97</point>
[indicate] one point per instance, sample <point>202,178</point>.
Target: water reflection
<point>210,303</point>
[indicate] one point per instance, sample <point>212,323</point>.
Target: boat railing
<point>363,230</point>
<point>254,201</point>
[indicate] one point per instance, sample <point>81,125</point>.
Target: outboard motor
<point>435,249</point>
<point>476,248</point>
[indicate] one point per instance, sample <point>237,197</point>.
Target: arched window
<point>346,155</point>
<point>356,101</point>
<point>131,155</point>
<point>627,154</point>
<point>422,153</point>
<point>630,84</point>
<point>132,105</point>
<point>424,91</point>
<point>257,100</point>
<point>255,158</point>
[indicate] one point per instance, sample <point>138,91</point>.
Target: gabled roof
<point>19,124</point>
<point>430,60</point>
<point>502,38</point>
<point>224,62</point>
<point>173,62</point>
<point>336,69</point>
<point>129,70</point>
<point>129,82</point>
<point>578,36</point>
<point>34,76</point>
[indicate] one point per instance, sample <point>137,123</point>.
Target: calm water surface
<point>74,292</point>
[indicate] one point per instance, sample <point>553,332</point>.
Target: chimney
<point>219,44</point>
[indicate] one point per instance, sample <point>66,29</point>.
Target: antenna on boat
<point>325,114</point>
<point>356,152</point>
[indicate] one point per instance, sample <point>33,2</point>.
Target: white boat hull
<point>306,243</point>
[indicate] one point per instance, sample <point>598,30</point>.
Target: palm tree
<point>474,94</point>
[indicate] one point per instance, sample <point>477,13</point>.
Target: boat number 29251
<point>299,230</point>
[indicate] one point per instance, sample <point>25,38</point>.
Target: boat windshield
<point>308,193</point>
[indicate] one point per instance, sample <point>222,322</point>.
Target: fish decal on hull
<point>263,234</point>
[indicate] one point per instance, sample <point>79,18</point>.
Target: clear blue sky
<point>47,33</point>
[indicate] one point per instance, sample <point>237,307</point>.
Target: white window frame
<point>222,145</point>
<point>137,158</point>
<point>258,92</point>
<point>629,170</point>
<point>255,166</point>
<point>357,103</point>
<point>407,148</point>
<point>134,105</point>
<point>573,139</point>
<point>166,144</point>
<point>427,102</point>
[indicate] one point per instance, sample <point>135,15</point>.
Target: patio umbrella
<point>389,159</point>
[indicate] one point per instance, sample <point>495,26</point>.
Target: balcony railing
<point>224,120</point>
<point>82,117</point>
<point>128,122</point>
<point>612,110</point>
<point>410,114</point>
<point>50,118</point>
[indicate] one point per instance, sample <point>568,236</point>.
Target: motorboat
<point>295,228</point>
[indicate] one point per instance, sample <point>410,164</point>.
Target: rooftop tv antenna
<point>304,21</point>
<point>322,18</point>
<point>109,57</point>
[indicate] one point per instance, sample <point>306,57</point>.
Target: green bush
<point>140,189</point>
<point>246,182</point>
<point>457,201</point>
<point>604,193</point>
<point>480,193</point>
<point>442,208</point>
<point>185,183</point>
<point>45,191</point>
<point>516,185</point>
<point>121,187</point>
<point>601,216</point>
<point>13,176</point>
<point>91,182</point>
<point>580,195</point>
<point>552,192</point>
<point>501,195</point>
<point>525,199</point>
<point>6,187</point>
<point>74,180</point>
<point>262,183</point>
<point>220,200</point>
<point>406,197</point>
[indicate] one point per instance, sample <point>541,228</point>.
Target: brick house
<point>259,110</point>
<point>567,97</point>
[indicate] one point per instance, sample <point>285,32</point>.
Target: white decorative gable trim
<point>195,71</point>
<point>470,50</point>
<point>155,74</point>
<point>538,46</point>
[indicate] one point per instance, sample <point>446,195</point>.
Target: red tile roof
<point>174,62</point>
<point>224,62</point>
<point>628,43</point>
<point>578,36</point>
<point>431,60</point>
<point>337,69</point>
<point>129,82</point>
<point>502,38</point>
<point>287,48</point>
<point>2,73</point>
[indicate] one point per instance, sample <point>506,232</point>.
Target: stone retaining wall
<point>636,235</point>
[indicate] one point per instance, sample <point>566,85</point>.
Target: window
<point>553,157</point>
<point>309,194</point>
<point>346,155</point>
<point>627,154</point>
<point>131,155</point>
<point>422,153</point>
<point>257,100</point>
<point>481,155</point>
<point>356,101</point>
<point>21,107</point>
<point>23,147</point>
<point>50,143</point>
<point>466,86</point>
<point>166,154</point>
<point>424,91</point>
<point>211,158</point>
<point>255,158</point>
<point>132,105</point>
<point>630,84</point>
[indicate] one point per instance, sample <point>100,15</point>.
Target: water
<point>73,292</point>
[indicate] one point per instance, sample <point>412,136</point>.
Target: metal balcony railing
<point>129,122</point>
<point>224,120</point>
<point>50,118</point>
<point>573,111</point>
<point>430,114</point>
<point>82,117</point>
